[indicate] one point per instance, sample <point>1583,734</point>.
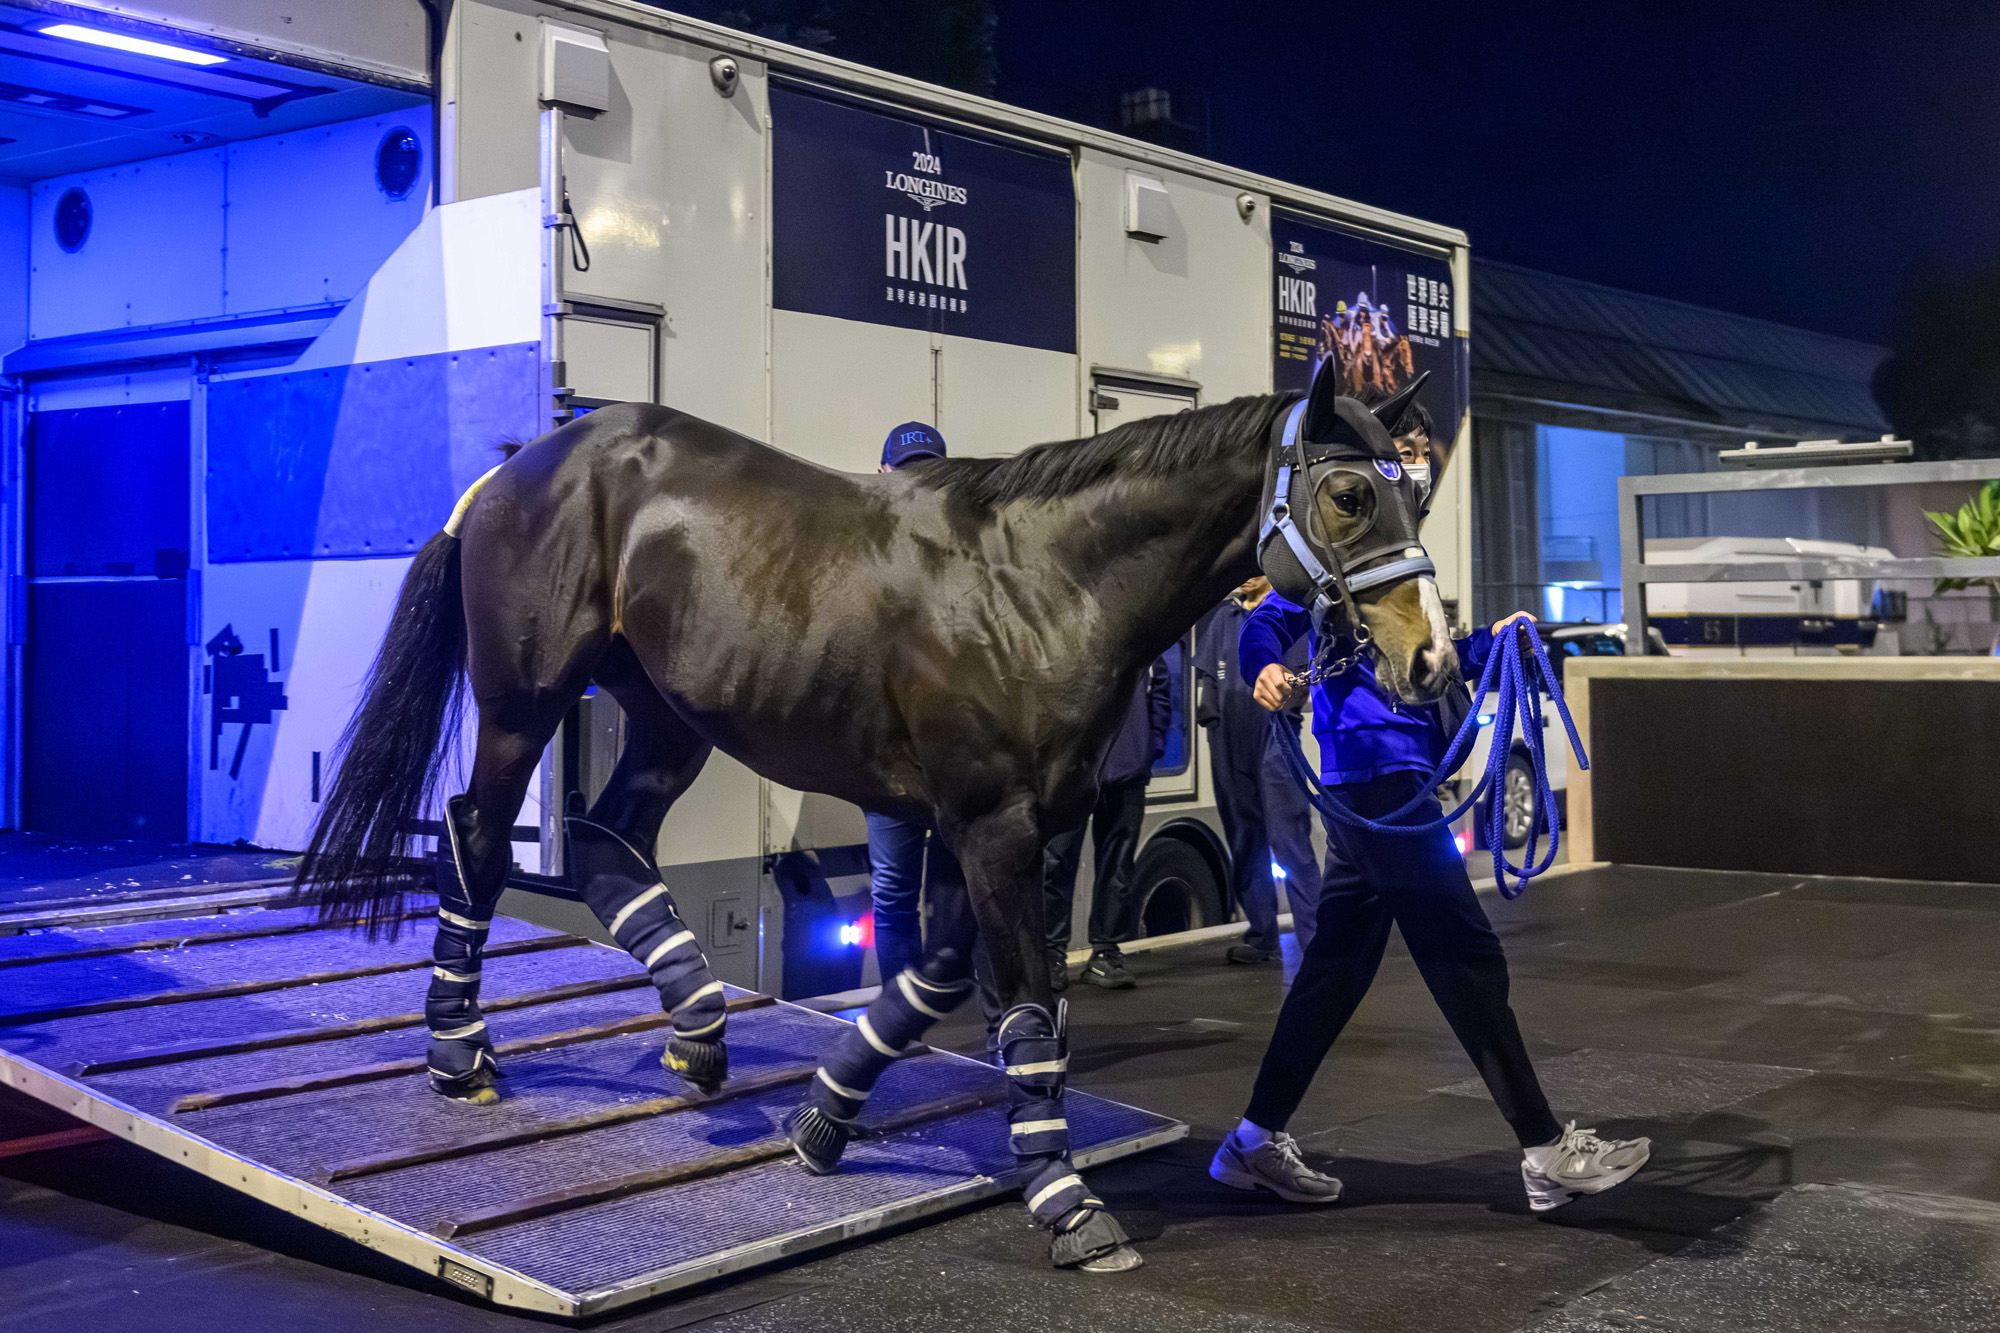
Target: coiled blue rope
<point>1519,680</point>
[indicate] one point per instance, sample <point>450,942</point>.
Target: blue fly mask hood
<point>1321,435</point>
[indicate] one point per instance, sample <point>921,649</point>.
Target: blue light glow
<point>1486,719</point>
<point>851,933</point>
<point>120,41</point>
<point>1278,871</point>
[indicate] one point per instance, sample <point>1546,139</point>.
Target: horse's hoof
<point>475,1089</point>
<point>1092,1240</point>
<point>1121,1260</point>
<point>475,1085</point>
<point>818,1139</point>
<point>705,1064</point>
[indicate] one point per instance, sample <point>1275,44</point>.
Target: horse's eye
<point>1347,505</point>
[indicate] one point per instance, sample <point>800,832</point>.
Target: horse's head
<point>1344,537</point>
<point>1414,658</point>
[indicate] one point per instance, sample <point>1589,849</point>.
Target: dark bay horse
<point>954,644</point>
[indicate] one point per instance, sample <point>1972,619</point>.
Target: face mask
<point>1421,475</point>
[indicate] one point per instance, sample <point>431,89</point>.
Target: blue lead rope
<point>1519,696</point>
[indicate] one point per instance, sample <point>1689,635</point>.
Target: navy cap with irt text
<point>910,441</point>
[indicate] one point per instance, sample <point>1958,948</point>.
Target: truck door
<point>106,683</point>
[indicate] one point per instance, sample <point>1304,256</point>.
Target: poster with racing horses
<point>1380,313</point>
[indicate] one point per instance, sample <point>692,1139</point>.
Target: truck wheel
<point>1517,813</point>
<point>1177,889</point>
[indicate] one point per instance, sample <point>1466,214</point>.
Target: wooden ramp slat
<point>576,1124</point>
<point>337,1078</point>
<point>270,1041</point>
<point>194,994</point>
<point>185,941</point>
<point>714,1164</point>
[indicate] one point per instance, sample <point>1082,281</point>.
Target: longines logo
<point>926,194</point>
<point>924,191</point>
<point>1298,263</point>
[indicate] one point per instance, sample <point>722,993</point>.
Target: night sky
<point>1815,164</point>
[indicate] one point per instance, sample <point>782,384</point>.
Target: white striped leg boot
<point>461,1051</point>
<point>908,1005</point>
<point>1034,1051</point>
<point>623,888</point>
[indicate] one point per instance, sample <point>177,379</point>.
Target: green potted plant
<point>1972,532</point>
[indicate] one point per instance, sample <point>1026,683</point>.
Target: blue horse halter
<point>1324,577</point>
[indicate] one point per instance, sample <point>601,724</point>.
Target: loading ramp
<point>285,1061</point>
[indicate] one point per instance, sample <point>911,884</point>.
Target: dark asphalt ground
<point>1817,1061</point>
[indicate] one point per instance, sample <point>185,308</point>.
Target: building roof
<point>1566,352</point>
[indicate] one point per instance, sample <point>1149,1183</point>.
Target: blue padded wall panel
<point>105,743</point>
<point>355,461</point>
<point>108,490</point>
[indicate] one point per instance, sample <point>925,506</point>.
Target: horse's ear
<point>1322,418</point>
<point>1390,410</point>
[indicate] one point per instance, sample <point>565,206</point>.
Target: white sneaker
<point>1275,1166</point>
<point>1579,1163</point>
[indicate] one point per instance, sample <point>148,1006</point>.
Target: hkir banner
<point>890,220</point>
<point>1380,313</point>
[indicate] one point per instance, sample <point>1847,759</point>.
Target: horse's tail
<point>390,757</point>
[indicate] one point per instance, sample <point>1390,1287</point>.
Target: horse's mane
<point>1154,447</point>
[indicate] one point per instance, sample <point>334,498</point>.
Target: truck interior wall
<point>440,347</point>
<point>387,37</point>
<point>266,224</point>
<point>13,331</point>
<point>287,222</point>
<point>13,264</point>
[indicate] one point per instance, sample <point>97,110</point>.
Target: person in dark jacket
<point>902,852</point>
<point>1114,826</point>
<point>1265,817</point>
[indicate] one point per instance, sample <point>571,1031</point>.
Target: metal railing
<point>1637,573</point>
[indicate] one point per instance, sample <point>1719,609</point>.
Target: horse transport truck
<point>261,356</point>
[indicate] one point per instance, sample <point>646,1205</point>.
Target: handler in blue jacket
<point>1375,757</point>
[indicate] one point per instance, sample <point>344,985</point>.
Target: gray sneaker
<point>1274,1166</point>
<point>1106,968</point>
<point>1580,1163</point>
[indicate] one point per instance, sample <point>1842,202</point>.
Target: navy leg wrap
<point>624,890</point>
<point>461,1052</point>
<point>905,1009</point>
<point>1034,1049</point>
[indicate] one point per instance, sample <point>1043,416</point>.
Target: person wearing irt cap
<point>896,847</point>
